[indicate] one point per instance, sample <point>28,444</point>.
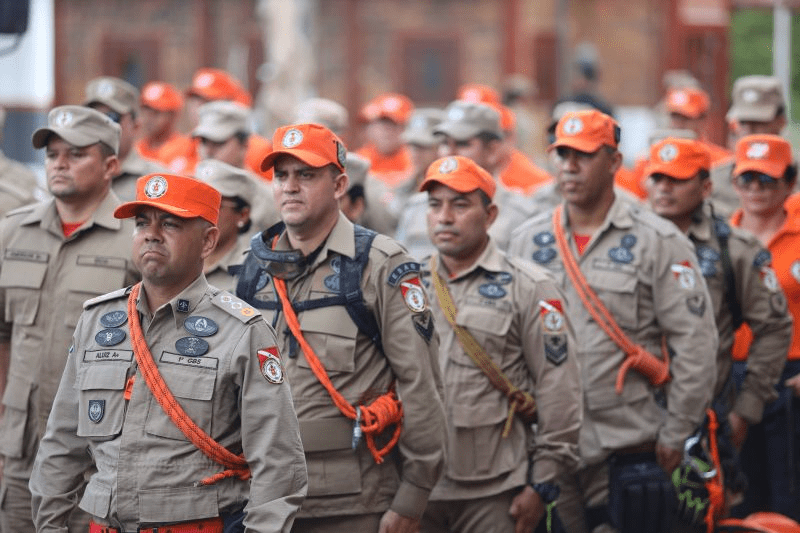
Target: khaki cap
<point>330,114</point>
<point>756,99</point>
<point>230,181</point>
<point>117,94</point>
<point>419,129</point>
<point>80,126</point>
<point>465,120</point>
<point>356,168</point>
<point>222,119</point>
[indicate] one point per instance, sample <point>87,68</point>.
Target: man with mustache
<point>634,289</point>
<point>359,345</point>
<point>54,255</point>
<point>507,360</point>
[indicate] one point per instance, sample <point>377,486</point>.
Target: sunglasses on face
<point>765,180</point>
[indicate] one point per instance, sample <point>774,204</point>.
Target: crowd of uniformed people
<point>214,331</point>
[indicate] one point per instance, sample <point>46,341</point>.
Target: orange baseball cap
<point>213,84</point>
<point>394,106</point>
<point>768,154</point>
<point>479,93</point>
<point>586,131</point>
<point>181,196</point>
<point>678,158</point>
<point>689,102</point>
<point>312,144</point>
<point>508,120</point>
<point>459,173</point>
<point>161,96</point>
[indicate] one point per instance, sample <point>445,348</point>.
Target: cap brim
<point>582,145</point>
<point>113,105</point>
<point>42,135</point>
<point>459,132</point>
<point>130,209</point>
<point>420,138</point>
<point>216,134</point>
<point>668,170</point>
<point>309,158</point>
<point>752,113</point>
<point>456,185</point>
<point>775,170</point>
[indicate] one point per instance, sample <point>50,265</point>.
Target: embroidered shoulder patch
<point>400,271</point>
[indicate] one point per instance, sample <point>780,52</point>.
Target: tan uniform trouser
<point>366,523</point>
<point>586,488</point>
<point>470,516</point>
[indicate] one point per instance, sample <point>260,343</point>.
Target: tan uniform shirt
<point>44,280</point>
<point>723,195</point>
<point>17,183</point>
<point>645,272</point>
<point>134,167</point>
<point>263,212</point>
<point>412,230</point>
<point>511,308</point>
<point>763,307</point>
<point>217,274</point>
<point>147,470</point>
<point>546,197</point>
<point>342,481</point>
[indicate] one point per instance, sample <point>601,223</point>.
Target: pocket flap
<point>103,376</point>
<point>194,383</point>
<point>611,280</point>
<point>332,320</point>
<point>482,319</point>
<point>326,434</point>
<point>482,414</point>
<point>17,393</point>
<point>605,397</point>
<point>27,274</point>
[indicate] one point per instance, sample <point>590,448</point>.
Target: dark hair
<point>242,136</point>
<point>485,200</point>
<point>704,174</point>
<point>355,192</point>
<point>487,136</point>
<point>105,150</point>
<point>791,173</point>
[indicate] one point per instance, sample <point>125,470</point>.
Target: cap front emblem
<point>668,153</point>
<point>750,96</point>
<point>63,119</point>
<point>204,80</point>
<point>156,187</point>
<point>455,114</point>
<point>448,165</point>
<point>292,138</point>
<point>154,92</point>
<point>391,104</point>
<point>573,126</point>
<point>205,173</point>
<point>105,89</point>
<point>679,98</point>
<point>418,123</point>
<point>757,151</point>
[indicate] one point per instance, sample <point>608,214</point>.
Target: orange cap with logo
<point>312,144</point>
<point>213,84</point>
<point>678,158</point>
<point>178,195</point>
<point>394,106</point>
<point>689,102</point>
<point>161,96</point>
<point>479,93</point>
<point>460,174</point>
<point>768,154</point>
<point>586,131</point>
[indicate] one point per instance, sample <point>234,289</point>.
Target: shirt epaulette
<point>114,295</point>
<point>235,306</point>
<point>388,246</point>
<point>22,210</point>
<point>533,272</point>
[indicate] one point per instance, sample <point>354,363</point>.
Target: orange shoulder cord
<point>716,492</point>
<point>236,465</point>
<point>636,357</point>
<point>372,419</point>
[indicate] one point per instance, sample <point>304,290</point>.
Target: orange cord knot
<point>385,411</point>
<point>716,492</point>
<point>654,369</point>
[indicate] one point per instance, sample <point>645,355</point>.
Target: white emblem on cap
<point>471,95</point>
<point>154,92</point>
<point>205,173</point>
<point>418,122</point>
<point>750,96</point>
<point>391,104</point>
<point>796,270</point>
<point>679,98</point>
<point>204,80</point>
<point>156,187</point>
<point>668,153</point>
<point>105,89</point>
<point>757,151</point>
<point>63,119</point>
<point>573,126</point>
<point>448,165</point>
<point>455,114</point>
<point>292,138</point>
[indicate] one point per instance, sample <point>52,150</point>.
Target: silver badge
<point>156,187</point>
<point>292,138</point>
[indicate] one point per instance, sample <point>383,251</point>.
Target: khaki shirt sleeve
<point>557,387</point>
<point>692,339</point>
<point>270,438</point>
<point>764,309</point>
<point>62,458</point>
<point>413,359</point>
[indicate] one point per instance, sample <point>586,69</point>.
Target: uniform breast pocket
<point>90,277</point>
<point>101,401</point>
<point>619,293</point>
<point>193,388</point>
<point>489,326</point>
<point>22,282</point>
<point>332,334</point>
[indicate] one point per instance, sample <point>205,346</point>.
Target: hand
<point>391,522</point>
<point>794,384</point>
<point>738,429</point>
<point>527,509</point>
<point>668,458</point>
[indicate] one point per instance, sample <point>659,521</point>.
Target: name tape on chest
<point>97,356</point>
<point>15,254</point>
<point>186,360</point>
<point>100,261</point>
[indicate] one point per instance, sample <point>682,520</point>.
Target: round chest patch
<point>668,153</point>
<point>156,187</point>
<point>192,346</point>
<point>292,138</point>
<point>573,126</point>
<point>491,290</point>
<point>272,371</point>
<point>757,150</point>
<point>113,319</point>
<point>796,270</point>
<point>110,337</point>
<point>448,165</point>
<point>200,326</point>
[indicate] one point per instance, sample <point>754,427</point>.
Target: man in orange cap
<point>632,281</point>
<point>739,278</point>
<point>209,85</point>
<point>764,177</point>
<point>161,105</point>
<point>688,110</point>
<point>508,358</point>
<point>164,393</point>
<point>357,334</point>
<point>386,116</point>
<point>53,256</point>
